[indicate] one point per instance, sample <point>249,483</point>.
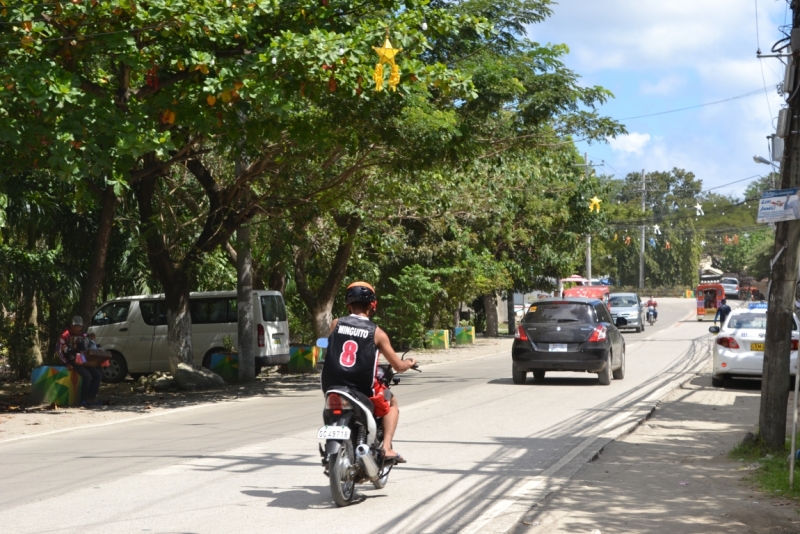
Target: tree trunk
<point>457,317</point>
<point>53,326</point>
<point>320,302</point>
<point>244,286</point>
<point>97,268</point>
<point>179,322</point>
<point>490,305</point>
<point>277,278</point>
<point>32,314</point>
<point>512,313</point>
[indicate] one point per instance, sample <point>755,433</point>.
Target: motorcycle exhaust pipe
<point>362,452</point>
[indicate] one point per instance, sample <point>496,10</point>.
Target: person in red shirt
<point>652,302</point>
<point>71,343</point>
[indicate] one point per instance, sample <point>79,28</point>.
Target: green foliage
<point>409,305</point>
<point>227,344</point>
<point>772,473</point>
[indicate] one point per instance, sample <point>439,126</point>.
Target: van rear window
<point>214,310</point>
<point>568,312</point>
<point>273,308</point>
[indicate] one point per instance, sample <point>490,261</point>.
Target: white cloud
<point>633,143</point>
<point>665,86</point>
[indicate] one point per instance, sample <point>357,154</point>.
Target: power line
<point>751,93</point>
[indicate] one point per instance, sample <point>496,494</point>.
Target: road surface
<point>481,452</point>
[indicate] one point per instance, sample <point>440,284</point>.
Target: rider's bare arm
<point>333,326</point>
<point>385,346</point>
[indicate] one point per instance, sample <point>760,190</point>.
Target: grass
<point>772,474</point>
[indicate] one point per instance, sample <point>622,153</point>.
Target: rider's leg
<point>389,426</point>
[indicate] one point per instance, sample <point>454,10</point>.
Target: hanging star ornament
<point>657,229</point>
<point>702,243</point>
<point>386,55</point>
<point>699,208</point>
<point>595,203</point>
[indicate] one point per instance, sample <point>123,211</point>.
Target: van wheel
<point>117,369</point>
<point>258,369</point>
<point>207,357</point>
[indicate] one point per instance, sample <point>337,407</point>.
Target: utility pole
<point>588,236</point>
<point>775,379</point>
<point>244,285</point>
<point>641,240</point>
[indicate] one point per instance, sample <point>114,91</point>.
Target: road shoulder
<point>671,475</point>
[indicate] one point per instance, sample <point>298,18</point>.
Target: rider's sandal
<point>396,459</point>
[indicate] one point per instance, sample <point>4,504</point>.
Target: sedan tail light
<point>521,334</point>
<point>599,334</point>
<point>727,342</point>
<point>336,403</point>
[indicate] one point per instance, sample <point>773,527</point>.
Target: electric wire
<point>745,95</point>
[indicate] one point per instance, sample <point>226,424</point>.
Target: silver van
<point>134,330</point>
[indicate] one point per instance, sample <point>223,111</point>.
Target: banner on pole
<point>779,205</point>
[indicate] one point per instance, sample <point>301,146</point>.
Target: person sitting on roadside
<point>71,344</point>
<point>722,313</point>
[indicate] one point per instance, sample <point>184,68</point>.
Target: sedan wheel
<point>619,374</point>
<point>718,381</point>
<point>604,376</point>
<point>538,374</point>
<point>519,377</point>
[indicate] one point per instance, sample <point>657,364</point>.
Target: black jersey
<point>352,355</point>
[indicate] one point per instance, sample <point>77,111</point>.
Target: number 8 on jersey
<point>348,356</point>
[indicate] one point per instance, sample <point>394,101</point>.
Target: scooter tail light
<point>728,342</point>
<point>599,334</point>
<point>261,336</point>
<point>336,403</point>
<point>521,334</point>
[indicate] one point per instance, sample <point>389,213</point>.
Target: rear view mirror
<point>322,343</point>
<point>713,329</point>
<point>621,321</point>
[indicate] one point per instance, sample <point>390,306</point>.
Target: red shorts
<point>379,401</point>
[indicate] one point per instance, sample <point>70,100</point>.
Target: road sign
<point>779,205</point>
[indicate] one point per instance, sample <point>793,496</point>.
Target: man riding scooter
<point>353,348</point>
<point>652,307</point>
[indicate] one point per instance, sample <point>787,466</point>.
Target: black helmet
<point>360,292</point>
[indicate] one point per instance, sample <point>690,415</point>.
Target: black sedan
<point>569,334</point>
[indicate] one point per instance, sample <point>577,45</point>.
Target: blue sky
<point>659,55</point>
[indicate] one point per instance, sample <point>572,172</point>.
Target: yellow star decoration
<point>595,203</point>
<point>386,55</point>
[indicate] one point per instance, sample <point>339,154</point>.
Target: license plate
<point>757,346</point>
<point>558,347</point>
<point>333,432</point>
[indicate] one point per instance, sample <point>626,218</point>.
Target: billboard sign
<point>779,205</point>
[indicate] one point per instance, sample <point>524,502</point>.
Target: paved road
<point>481,451</point>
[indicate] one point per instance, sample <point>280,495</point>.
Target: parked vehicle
<point>134,330</point>
<point>629,306</point>
<point>731,287</point>
<point>709,299</point>
<point>739,345</point>
<point>353,452</point>
<point>569,334</point>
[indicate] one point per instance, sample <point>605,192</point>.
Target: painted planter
<point>437,339</point>
<point>56,385</point>
<point>303,358</point>
<point>465,335</point>
<point>226,365</point>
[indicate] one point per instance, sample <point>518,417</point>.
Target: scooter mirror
<point>322,342</point>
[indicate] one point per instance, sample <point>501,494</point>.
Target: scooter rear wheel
<point>343,486</point>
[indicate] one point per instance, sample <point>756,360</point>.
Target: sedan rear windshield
<point>757,321</point>
<point>567,312</point>
<point>623,302</point>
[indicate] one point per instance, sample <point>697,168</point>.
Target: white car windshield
<point>755,321</point>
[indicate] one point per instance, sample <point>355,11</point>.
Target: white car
<point>739,345</point>
<point>731,286</point>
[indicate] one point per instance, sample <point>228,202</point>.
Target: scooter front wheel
<point>343,486</point>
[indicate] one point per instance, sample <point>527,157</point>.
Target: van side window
<point>214,310</point>
<point>154,312</point>
<point>114,312</point>
<point>272,308</point>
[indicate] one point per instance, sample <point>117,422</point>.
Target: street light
<point>765,161</point>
